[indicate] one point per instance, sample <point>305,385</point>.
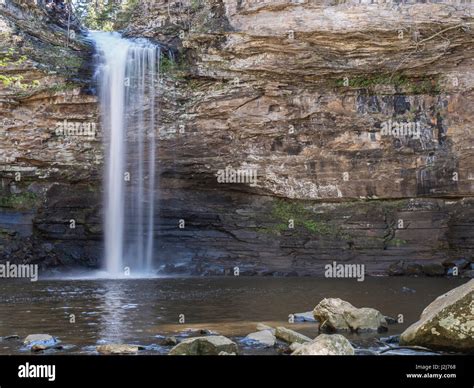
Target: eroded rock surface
<point>447,323</point>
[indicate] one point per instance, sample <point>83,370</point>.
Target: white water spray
<point>126,76</point>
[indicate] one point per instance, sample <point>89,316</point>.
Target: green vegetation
<point>427,85</point>
<point>20,201</point>
<point>303,218</point>
<point>10,58</point>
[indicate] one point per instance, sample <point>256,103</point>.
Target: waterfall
<point>126,74</point>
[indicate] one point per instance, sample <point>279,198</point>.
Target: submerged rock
<point>118,349</point>
<point>447,323</point>
<point>338,315</point>
<point>203,346</point>
<point>290,336</point>
<point>262,337</point>
<point>325,344</point>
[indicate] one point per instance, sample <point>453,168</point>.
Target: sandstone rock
<point>447,323</point>
<point>324,344</point>
<point>295,345</point>
<point>40,340</point>
<point>262,326</point>
<point>210,345</point>
<point>290,336</point>
<point>335,314</point>
<point>304,317</point>
<point>117,349</point>
<point>263,337</point>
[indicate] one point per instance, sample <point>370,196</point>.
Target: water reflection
<point>113,317</point>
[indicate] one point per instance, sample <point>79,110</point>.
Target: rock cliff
<point>355,117</point>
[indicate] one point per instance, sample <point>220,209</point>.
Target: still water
<point>139,311</point>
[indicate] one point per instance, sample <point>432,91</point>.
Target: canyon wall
<point>355,117</point>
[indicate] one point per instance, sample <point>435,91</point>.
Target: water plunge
<point>126,76</point>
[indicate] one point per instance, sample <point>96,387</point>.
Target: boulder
<point>117,349</point>
<point>338,315</point>
<point>325,344</point>
<point>290,336</point>
<point>202,346</point>
<point>447,323</point>
<point>262,337</point>
<point>304,317</point>
<point>40,340</point>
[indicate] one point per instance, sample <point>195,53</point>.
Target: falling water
<point>126,76</point>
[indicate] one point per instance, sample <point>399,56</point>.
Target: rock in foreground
<point>290,336</point>
<point>324,344</point>
<point>447,323</point>
<point>262,337</point>
<point>335,314</point>
<point>43,340</point>
<point>118,349</point>
<point>204,346</point>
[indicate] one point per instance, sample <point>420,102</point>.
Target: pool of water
<point>85,313</point>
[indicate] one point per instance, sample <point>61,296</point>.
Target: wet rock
<point>304,317</point>
<point>325,344</point>
<point>390,320</point>
<point>11,337</point>
<point>433,269</point>
<point>262,337</point>
<point>290,336</point>
<point>460,263</point>
<point>468,274</point>
<point>40,340</point>
<point>338,315</point>
<point>393,339</point>
<point>447,323</point>
<point>118,349</point>
<point>38,348</point>
<point>168,341</point>
<point>202,346</point>
<point>262,326</point>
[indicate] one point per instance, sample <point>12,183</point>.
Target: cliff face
<point>355,118</point>
<point>50,156</point>
<point>311,95</point>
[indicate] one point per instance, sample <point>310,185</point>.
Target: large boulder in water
<point>211,345</point>
<point>447,323</point>
<point>325,344</point>
<point>335,314</point>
